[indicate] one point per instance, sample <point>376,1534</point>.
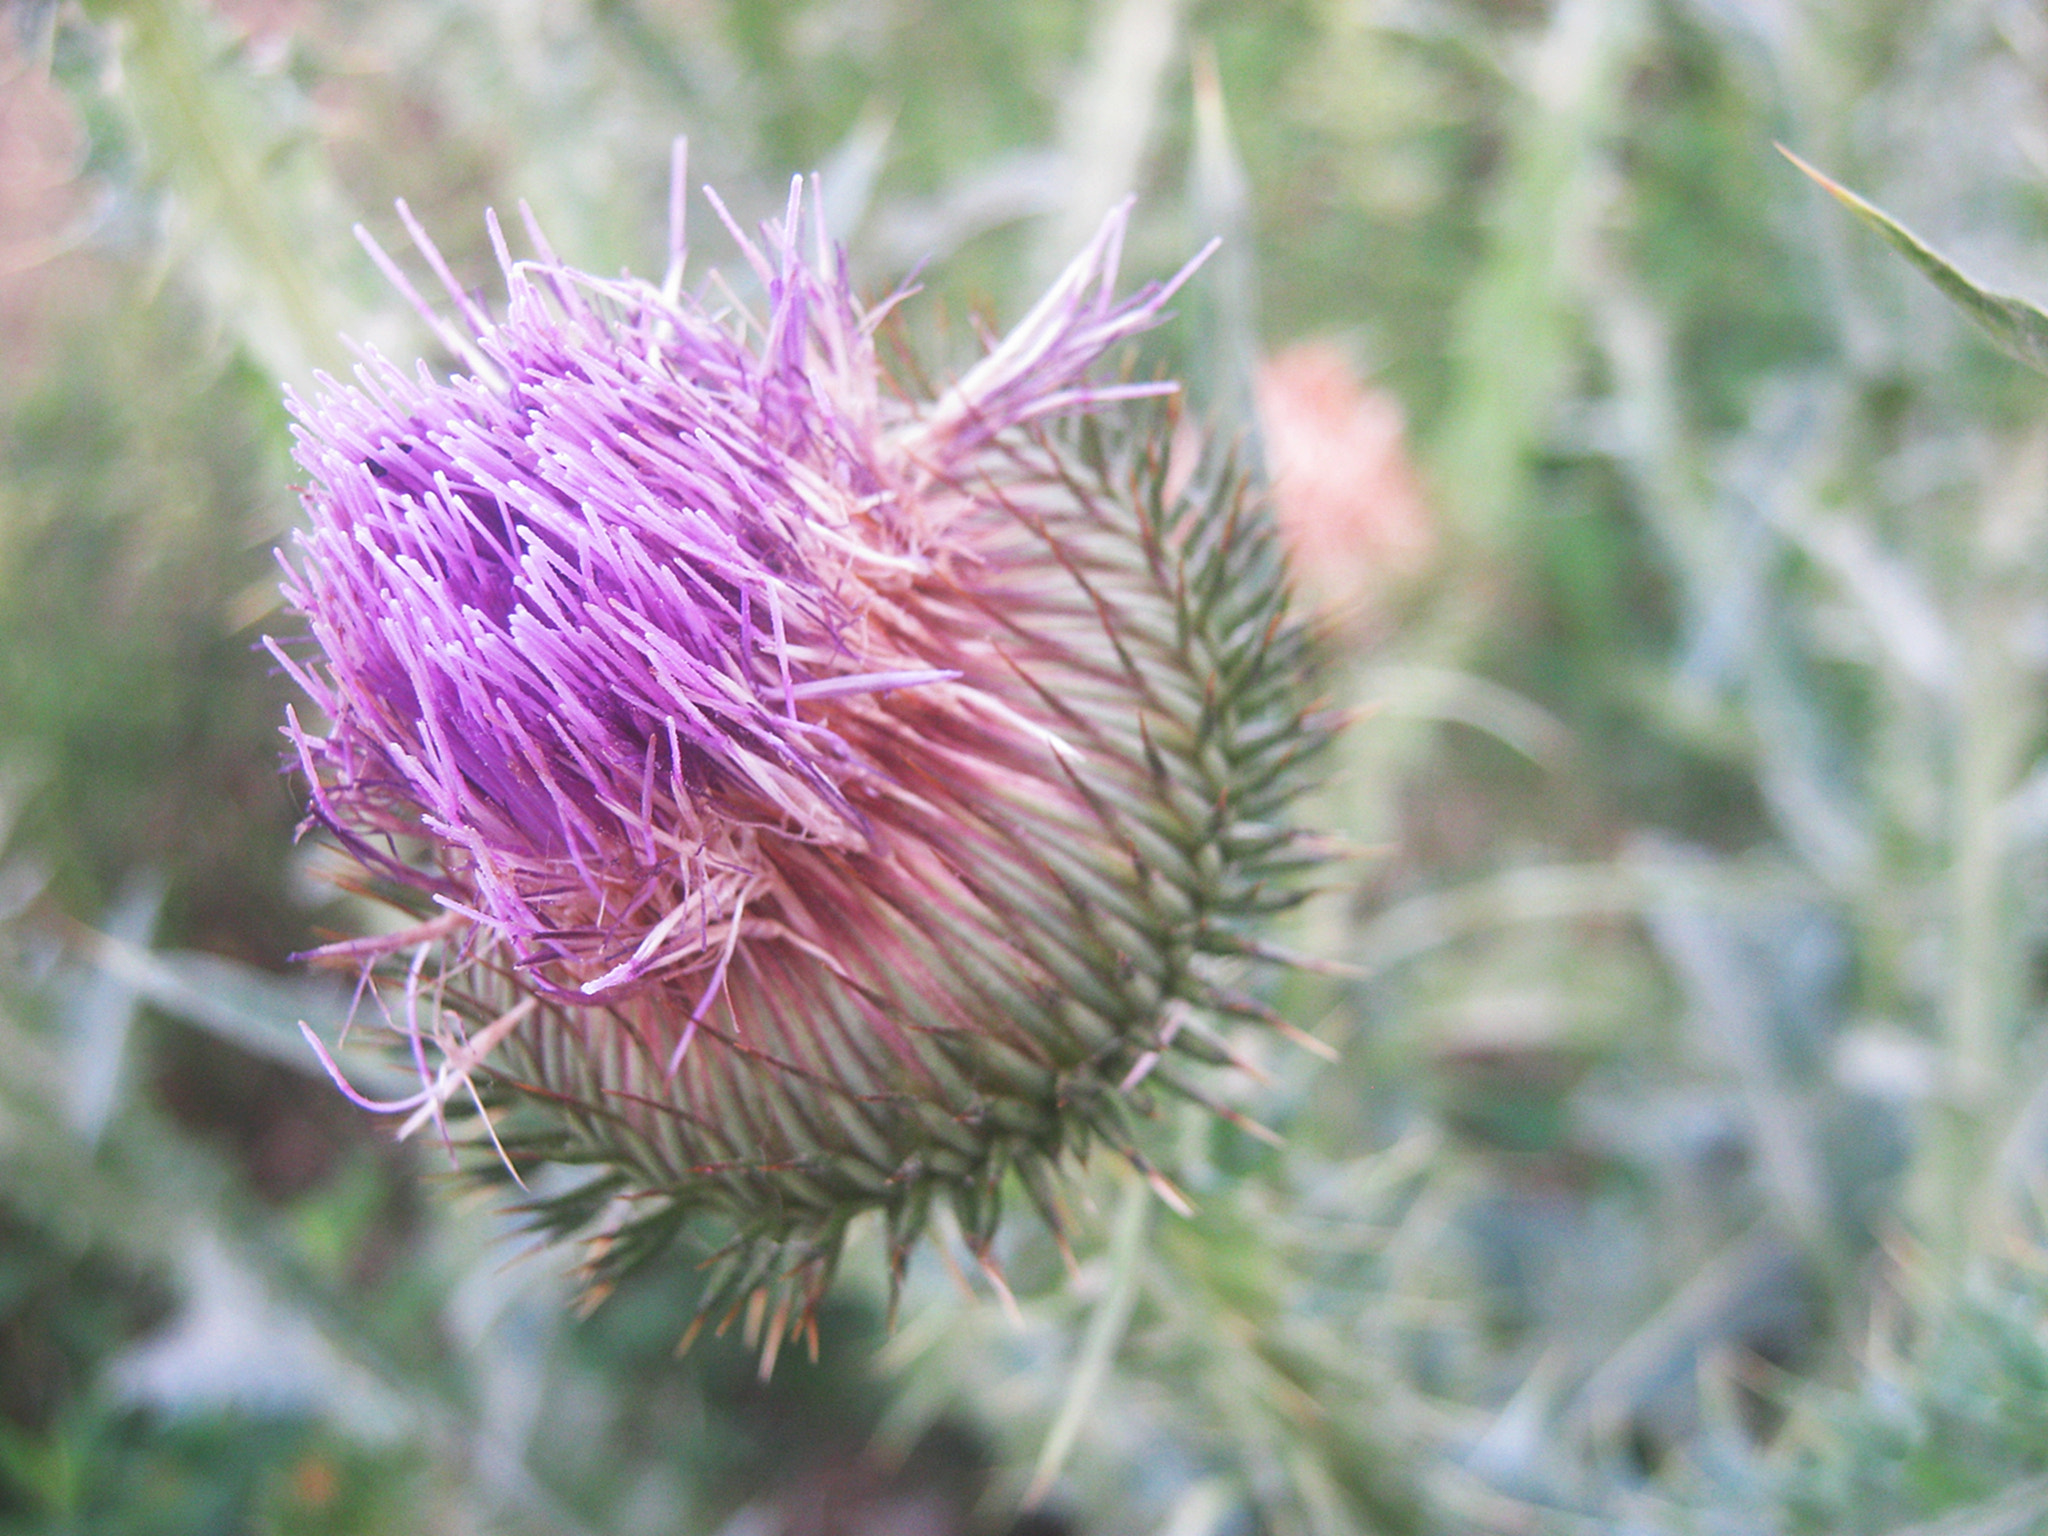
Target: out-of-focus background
<point>1682,1165</point>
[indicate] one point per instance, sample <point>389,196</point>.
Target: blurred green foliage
<point>1682,1169</point>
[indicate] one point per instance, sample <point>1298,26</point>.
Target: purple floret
<point>591,617</point>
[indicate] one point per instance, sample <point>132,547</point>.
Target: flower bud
<point>811,799</point>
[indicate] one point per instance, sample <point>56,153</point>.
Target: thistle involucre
<point>812,800</point>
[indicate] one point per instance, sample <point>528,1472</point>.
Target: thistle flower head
<point>814,799</point>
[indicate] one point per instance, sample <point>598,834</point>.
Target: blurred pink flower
<point>43,204</point>
<point>1351,509</point>
<point>42,148</point>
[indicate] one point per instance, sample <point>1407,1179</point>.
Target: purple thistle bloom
<point>900,755</point>
<point>614,611</point>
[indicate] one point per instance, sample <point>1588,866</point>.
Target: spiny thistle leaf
<point>814,801</point>
<point>2018,328</point>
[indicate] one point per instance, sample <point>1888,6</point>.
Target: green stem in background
<point>1550,893</point>
<point>1512,352</point>
<point>1219,196</point>
<point>1953,1194</point>
<point>1513,344</point>
<point>207,135</point>
<point>1109,118</point>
